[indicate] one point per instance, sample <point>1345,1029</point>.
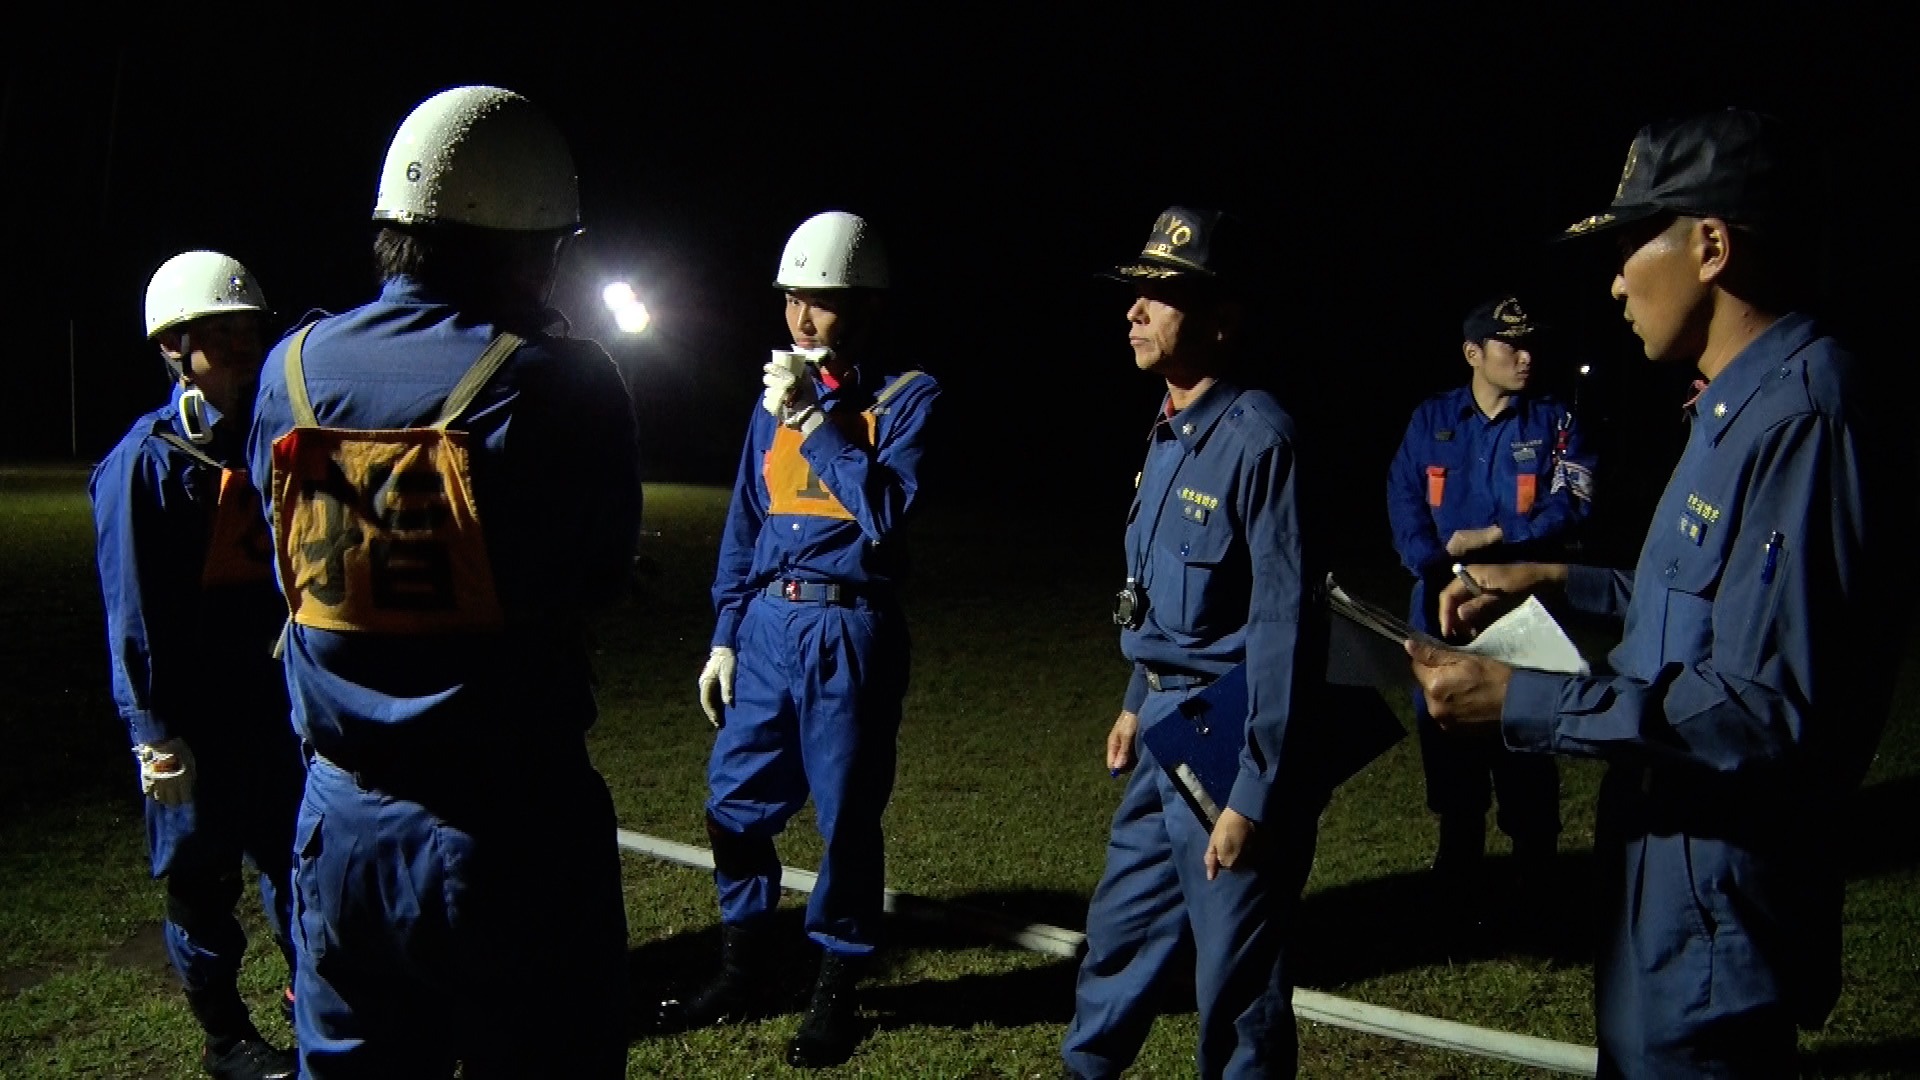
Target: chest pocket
<point>1213,579</point>
<point>1690,560</point>
<point>792,486</point>
<point>239,547</point>
<point>377,530</point>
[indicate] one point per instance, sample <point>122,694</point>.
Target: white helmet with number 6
<point>834,250</point>
<point>195,284</point>
<point>479,156</point>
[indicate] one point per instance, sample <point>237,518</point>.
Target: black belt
<point>1177,680</point>
<point>812,592</point>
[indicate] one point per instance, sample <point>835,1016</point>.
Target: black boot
<point>831,1030</point>
<point>737,993</point>
<point>234,1048</point>
<point>248,1058</point>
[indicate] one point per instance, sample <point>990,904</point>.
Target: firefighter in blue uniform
<point>1753,679</point>
<point>809,660</point>
<point>1488,473</point>
<point>1217,577</point>
<point>453,492</point>
<point>186,568</point>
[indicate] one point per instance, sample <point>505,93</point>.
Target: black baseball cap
<point>1190,245</point>
<point>1733,164</point>
<point>1503,318</point>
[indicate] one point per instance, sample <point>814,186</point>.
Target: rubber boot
<point>736,993</point>
<point>832,1029</point>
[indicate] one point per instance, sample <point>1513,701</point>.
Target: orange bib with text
<point>792,487</point>
<point>239,548</point>
<point>378,531</point>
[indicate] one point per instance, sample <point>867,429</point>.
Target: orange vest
<point>239,549</point>
<point>378,531</point>
<point>792,487</point>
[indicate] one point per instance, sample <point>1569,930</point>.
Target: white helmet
<point>483,156</point>
<point>195,284</point>
<point>834,250</point>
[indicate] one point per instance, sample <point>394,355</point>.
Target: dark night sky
<point>1409,170</point>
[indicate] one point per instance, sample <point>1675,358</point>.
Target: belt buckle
<point>1153,680</point>
<point>790,590</point>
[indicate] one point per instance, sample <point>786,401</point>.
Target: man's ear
<point>170,344</point>
<point>1712,246</point>
<point>1471,350</point>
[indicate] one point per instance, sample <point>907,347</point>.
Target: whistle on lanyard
<point>1436,484</point>
<point>1772,563</point>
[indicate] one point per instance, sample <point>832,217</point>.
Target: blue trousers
<point>816,708</point>
<point>1711,952</point>
<point>1154,909</point>
<point>243,809</point>
<point>488,930</point>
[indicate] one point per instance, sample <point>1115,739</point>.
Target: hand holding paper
<point>1501,585</point>
<point>1465,693</point>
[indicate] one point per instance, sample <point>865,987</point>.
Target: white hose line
<point>1308,1004</point>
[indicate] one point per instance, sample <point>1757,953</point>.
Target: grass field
<point>1002,803</point>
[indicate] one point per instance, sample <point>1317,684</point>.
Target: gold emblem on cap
<point>1587,225</point>
<point>1633,158</point>
<point>1510,312</point>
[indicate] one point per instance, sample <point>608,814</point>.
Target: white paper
<point>1529,637</point>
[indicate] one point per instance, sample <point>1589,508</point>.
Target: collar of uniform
<point>1194,423</point>
<point>406,290</point>
<point>1765,357</point>
<point>1467,407</point>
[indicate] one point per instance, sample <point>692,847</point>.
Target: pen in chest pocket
<point>1774,540</point>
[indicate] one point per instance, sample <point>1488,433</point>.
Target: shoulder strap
<point>297,399</point>
<point>896,386</point>
<point>477,378</point>
<point>191,450</point>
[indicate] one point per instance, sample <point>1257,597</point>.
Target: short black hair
<point>485,268</point>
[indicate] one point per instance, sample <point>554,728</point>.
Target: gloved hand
<point>790,395</point>
<point>166,771</point>
<point>716,683</point>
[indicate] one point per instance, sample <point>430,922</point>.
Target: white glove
<point>790,396</point>
<point>166,771</point>
<point>716,676</point>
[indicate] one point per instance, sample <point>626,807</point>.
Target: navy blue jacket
<point>1215,540</point>
<point>187,660</point>
<point>556,480</point>
<point>877,486</point>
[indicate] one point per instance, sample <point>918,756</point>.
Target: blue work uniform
<point>457,890</point>
<point>1750,689</point>
<point>1214,540</point>
<point>811,554</point>
<point>1528,471</point>
<point>191,619</point>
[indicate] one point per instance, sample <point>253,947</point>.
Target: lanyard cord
<point>1146,545</point>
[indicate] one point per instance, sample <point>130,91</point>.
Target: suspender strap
<point>896,386</point>
<point>477,378</point>
<point>297,399</point>
<point>464,391</point>
<point>191,450</point>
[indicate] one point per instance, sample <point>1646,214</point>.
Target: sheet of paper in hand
<point>1530,637</point>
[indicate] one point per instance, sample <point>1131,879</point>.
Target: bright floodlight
<point>618,295</point>
<point>629,314</point>
<point>632,318</point>
<point>1586,369</point>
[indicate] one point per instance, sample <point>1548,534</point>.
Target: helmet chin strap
<point>193,417</point>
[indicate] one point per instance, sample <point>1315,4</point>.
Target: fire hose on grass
<point>1309,1004</point>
